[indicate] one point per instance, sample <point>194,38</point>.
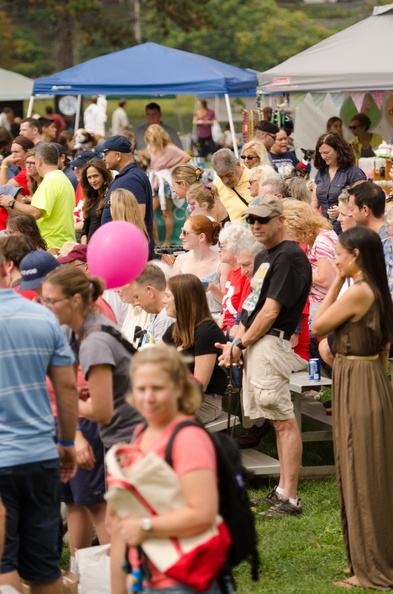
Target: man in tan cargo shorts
<point>280,287</point>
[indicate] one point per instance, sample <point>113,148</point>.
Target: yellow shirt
<point>56,197</point>
<point>235,207</point>
<point>376,140</point>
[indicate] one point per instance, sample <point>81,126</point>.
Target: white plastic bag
<point>93,567</point>
<point>217,133</point>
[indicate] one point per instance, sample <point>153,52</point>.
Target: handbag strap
<point>241,197</point>
<point>230,391</point>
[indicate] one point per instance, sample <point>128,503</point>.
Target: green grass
<point>299,555</point>
<point>177,113</point>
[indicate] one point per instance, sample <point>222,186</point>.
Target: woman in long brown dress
<point>362,406</point>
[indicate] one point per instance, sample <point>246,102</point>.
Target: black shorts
<point>87,486</point>
<point>31,495</point>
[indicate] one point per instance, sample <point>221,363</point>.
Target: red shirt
<point>237,288</point>
<point>22,180</point>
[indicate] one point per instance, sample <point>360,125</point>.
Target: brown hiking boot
<point>252,436</point>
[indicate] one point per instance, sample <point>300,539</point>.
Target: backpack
<point>234,506</point>
<point>115,333</point>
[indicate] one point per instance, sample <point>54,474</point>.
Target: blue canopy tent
<point>149,69</point>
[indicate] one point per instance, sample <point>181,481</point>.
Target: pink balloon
<point>117,252</point>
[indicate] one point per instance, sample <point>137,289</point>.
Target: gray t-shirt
<point>100,348</point>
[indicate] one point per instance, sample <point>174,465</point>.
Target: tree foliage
<point>250,34</point>
<point>53,35</point>
<point>8,45</point>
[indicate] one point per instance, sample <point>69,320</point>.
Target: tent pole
<point>179,116</point>
<point>30,106</point>
<point>78,113</point>
<point>230,119</point>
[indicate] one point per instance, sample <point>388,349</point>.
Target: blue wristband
<point>65,443</point>
<point>78,428</point>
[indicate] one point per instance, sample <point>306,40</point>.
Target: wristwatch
<point>146,524</point>
<point>239,344</point>
<point>11,203</point>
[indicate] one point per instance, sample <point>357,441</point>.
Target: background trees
<point>38,37</point>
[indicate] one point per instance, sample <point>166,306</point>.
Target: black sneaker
<point>283,507</point>
<point>269,499</point>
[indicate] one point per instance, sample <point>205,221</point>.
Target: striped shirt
<point>324,247</point>
<point>30,341</point>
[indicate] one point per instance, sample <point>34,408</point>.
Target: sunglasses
<point>185,232</point>
<point>353,127</point>
<point>251,219</point>
<point>248,157</point>
<point>271,136</point>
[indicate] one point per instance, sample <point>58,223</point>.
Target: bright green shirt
<point>56,197</point>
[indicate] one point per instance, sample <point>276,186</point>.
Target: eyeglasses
<point>30,163</point>
<point>185,232</point>
<point>353,127</point>
<point>251,219</point>
<point>51,302</point>
<point>248,157</point>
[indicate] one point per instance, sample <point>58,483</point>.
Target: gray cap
<point>9,190</point>
<point>264,206</point>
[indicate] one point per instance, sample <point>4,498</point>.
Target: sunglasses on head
<point>251,219</point>
<point>248,157</point>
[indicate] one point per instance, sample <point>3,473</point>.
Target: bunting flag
<point>298,99</point>
<point>358,98</point>
<point>338,100</point>
<point>318,99</point>
<point>378,97</point>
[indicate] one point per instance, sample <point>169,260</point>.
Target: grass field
<point>177,112</point>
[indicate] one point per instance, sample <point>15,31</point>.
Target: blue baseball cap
<point>34,267</point>
<point>83,158</point>
<point>120,144</point>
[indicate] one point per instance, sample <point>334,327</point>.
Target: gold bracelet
<point>3,166</point>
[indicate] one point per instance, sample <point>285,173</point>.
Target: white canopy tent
<point>354,60</point>
<point>14,87</point>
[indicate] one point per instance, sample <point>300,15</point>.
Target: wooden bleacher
<point>307,410</point>
<point>221,423</point>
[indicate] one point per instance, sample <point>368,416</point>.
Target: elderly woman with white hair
<point>237,286</point>
<point>258,175</point>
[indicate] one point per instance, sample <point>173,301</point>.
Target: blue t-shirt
<point>285,163</point>
<point>328,191</point>
<point>132,178</point>
<point>30,341</point>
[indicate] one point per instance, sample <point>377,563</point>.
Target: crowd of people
<point>270,273</point>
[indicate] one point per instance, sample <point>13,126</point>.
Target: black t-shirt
<point>282,273</point>
<point>206,334</point>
